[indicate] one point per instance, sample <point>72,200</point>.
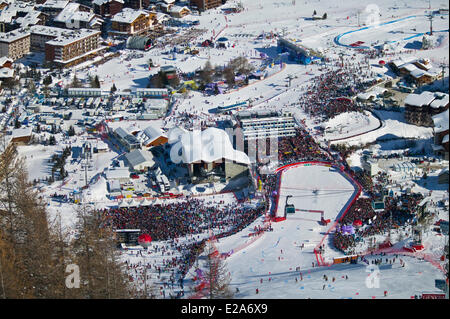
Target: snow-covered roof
<point>441,100</point>
<point>69,36</point>
<point>102,145</point>
<point>138,157</point>
<point>8,14</point>
<point>372,93</point>
<point>441,122</point>
<point>5,59</point>
<point>402,61</point>
<point>100,2</point>
<point>120,173</point>
<point>58,4</point>
<point>175,134</point>
<point>31,18</point>
<point>445,139</point>
<point>162,16</point>
<point>149,135</point>
<point>418,73</point>
<point>178,9</point>
<point>21,132</point>
<point>425,63</point>
<point>210,145</point>
<point>6,73</point>
<point>121,132</point>
<point>425,98</point>
<point>71,13</point>
<point>14,35</point>
<point>128,15</point>
<point>409,67</point>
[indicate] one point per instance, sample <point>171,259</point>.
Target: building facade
<point>420,108</point>
<point>132,22</point>
<point>204,5</point>
<point>15,44</point>
<point>72,47</point>
<point>107,7</point>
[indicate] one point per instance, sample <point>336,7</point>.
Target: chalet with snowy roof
<point>418,71</point>
<point>19,14</point>
<point>53,7</point>
<point>32,18</point>
<point>132,22</point>
<point>6,62</point>
<point>179,12</point>
<point>441,134</point>
<point>73,16</point>
<point>151,137</point>
<point>21,136</point>
<point>6,73</point>
<point>107,8</point>
<point>419,108</point>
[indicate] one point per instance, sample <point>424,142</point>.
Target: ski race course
<point>286,260</point>
<point>386,32</point>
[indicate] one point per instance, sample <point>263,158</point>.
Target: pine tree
<point>94,81</point>
<point>47,80</point>
<point>217,275</point>
<point>71,131</point>
<point>95,253</point>
<point>31,87</point>
<point>75,82</point>
<point>17,123</point>
<point>25,248</point>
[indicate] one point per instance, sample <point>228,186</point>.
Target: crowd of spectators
<point>301,146</point>
<point>327,96</point>
<point>398,211</point>
<point>193,216</point>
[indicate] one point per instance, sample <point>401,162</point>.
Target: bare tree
<point>206,75</point>
<point>217,274</point>
<point>229,76</point>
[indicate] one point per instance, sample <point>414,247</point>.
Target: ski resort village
<point>213,149</point>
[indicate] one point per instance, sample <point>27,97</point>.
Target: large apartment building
<point>420,108</point>
<point>15,44</point>
<point>265,124</point>
<point>72,47</point>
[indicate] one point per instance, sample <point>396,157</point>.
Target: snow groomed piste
<point>341,214</point>
<point>337,39</point>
